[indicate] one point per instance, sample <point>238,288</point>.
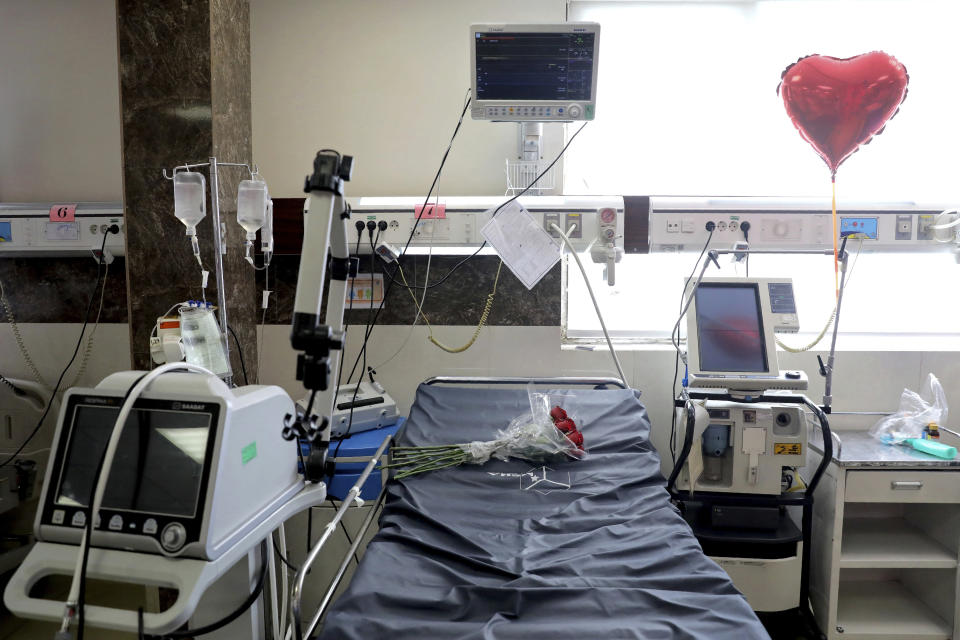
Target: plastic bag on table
<point>533,436</point>
<point>917,410</point>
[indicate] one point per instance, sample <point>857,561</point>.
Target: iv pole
<point>219,240</point>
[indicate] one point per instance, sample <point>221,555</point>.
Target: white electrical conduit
<point>272,566</point>
<point>596,307</point>
<point>111,451</point>
<point>284,593</point>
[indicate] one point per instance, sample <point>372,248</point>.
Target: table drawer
<point>903,486</point>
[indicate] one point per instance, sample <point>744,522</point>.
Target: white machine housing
<point>26,230</point>
<point>572,72</point>
<point>246,472</point>
<point>763,440</point>
<point>373,408</point>
<point>679,224</point>
<point>773,308</point>
<point>454,225</point>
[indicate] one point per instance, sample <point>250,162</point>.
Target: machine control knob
<point>792,375</point>
<point>574,111</point>
<point>173,537</point>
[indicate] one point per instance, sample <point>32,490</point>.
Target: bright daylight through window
<point>688,106</point>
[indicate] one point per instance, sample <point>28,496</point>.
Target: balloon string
<point>836,256</point>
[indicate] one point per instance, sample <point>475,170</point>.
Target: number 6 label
<point>62,212</point>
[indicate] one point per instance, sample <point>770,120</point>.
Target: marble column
<point>184,96</point>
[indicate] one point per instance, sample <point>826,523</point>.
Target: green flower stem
<point>405,474</point>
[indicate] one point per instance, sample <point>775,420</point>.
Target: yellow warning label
<point>787,448</point>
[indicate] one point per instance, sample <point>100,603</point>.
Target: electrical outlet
<point>673,226</point>
<point>904,227</point>
<point>924,222</point>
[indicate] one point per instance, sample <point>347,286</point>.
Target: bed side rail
<point>558,381</point>
<point>351,498</point>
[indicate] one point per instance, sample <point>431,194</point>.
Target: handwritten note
<point>524,246</point>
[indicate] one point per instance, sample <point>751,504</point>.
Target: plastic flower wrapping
<point>549,432</point>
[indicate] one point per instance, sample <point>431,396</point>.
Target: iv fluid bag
<point>203,343</point>
<point>252,204</point>
<point>189,198</point>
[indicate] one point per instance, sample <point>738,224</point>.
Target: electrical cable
<point>75,597</point>
<point>596,307</point>
<point>833,314</point>
<point>363,349</point>
<point>676,357</point>
<point>53,394</point>
<point>484,315</point>
<point>290,566</point>
<point>353,285</point>
<point>88,350</point>
<point>19,338</point>
<point>495,212</point>
<point>17,391</point>
<point>243,367</point>
<point>413,230</point>
<point>426,285</point>
<point>239,611</point>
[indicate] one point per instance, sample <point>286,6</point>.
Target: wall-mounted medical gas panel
<point>53,229</point>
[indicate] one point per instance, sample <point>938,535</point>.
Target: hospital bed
<point>591,548</point>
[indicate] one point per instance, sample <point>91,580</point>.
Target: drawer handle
<point>906,485</point>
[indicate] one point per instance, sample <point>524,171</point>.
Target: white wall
<point>383,81</point>
<point>59,101</point>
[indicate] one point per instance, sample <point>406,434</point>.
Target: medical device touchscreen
<point>730,329</point>
<point>158,467</point>
<point>534,66</point>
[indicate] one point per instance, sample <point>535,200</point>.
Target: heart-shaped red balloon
<point>838,104</point>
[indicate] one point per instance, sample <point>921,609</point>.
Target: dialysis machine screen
<point>158,466</point>
<point>730,328</point>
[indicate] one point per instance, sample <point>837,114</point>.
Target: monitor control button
<point>150,526</point>
<point>574,111</point>
<point>58,516</point>
<point>79,519</point>
<point>793,375</point>
<point>173,536</point>
<point>116,523</point>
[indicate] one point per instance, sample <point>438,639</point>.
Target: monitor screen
<point>730,328</point>
<point>158,466</point>
<point>534,66</point>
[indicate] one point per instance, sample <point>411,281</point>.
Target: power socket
<point>673,226</point>
<point>924,222</point>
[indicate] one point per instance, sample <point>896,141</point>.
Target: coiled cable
<point>484,316</point>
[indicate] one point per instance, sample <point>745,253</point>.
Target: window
<point>687,101</point>
<point>687,105</point>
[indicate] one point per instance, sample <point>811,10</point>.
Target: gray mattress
<point>477,552</point>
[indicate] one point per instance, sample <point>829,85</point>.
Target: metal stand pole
<point>218,251</point>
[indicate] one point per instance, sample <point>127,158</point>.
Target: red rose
<point>576,438</point>
<point>557,414</point>
<point>566,425</point>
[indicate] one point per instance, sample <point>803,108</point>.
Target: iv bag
<point>203,343</point>
<point>251,205</point>
<point>189,198</point>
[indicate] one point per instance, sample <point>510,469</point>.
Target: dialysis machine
<point>749,437</point>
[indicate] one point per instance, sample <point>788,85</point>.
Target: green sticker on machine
<point>249,452</point>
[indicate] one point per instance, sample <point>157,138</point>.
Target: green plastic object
<point>933,448</point>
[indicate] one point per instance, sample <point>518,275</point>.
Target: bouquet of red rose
<point>546,433</point>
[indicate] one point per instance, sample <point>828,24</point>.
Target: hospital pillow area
<point>589,548</point>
